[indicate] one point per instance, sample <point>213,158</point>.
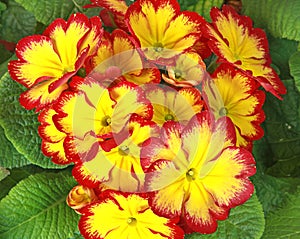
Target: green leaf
<point>281,51</point>
<point>9,156</point>
<point>36,208</point>
<point>3,173</point>
<point>282,132</point>
<point>21,125</point>
<point>284,223</point>
<point>294,64</point>
<point>203,7</point>
<point>16,23</point>
<point>16,175</point>
<point>2,6</point>
<point>245,222</point>
<point>279,17</point>
<point>46,11</point>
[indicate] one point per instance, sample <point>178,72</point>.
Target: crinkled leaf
<point>279,17</point>
<point>21,125</point>
<point>16,22</point>
<point>284,223</point>
<point>9,156</point>
<point>281,51</point>
<point>203,7</point>
<point>36,208</point>
<point>2,6</point>
<point>3,173</point>
<point>46,11</point>
<point>294,64</point>
<point>282,132</point>
<point>5,57</point>
<point>245,222</point>
<point>16,175</point>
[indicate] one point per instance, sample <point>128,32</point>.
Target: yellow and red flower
<point>155,24</point>
<point>46,62</point>
<point>200,173</point>
<point>117,52</point>
<point>124,215</point>
<point>234,40</point>
<point>235,95</point>
<point>169,104</point>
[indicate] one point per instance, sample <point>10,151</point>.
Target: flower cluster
<point>160,141</point>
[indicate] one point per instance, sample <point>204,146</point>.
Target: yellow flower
<point>235,95</point>
<point>200,174</point>
<point>161,30</point>
<point>46,62</point>
<point>123,215</point>
<point>233,39</point>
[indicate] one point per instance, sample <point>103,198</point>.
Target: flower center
<point>131,221</point>
<point>106,121</point>
<point>158,47</point>
<point>178,74</point>
<point>124,150</point>
<point>169,117</point>
<point>223,111</point>
<point>191,174</point>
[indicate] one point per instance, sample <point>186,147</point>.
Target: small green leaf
<point>203,7</point>
<point>294,64</point>
<point>245,222</point>
<point>46,11</point>
<point>21,125</point>
<point>279,17</point>
<point>284,223</point>
<point>36,208</point>
<point>16,23</point>
<point>9,156</point>
<point>3,173</point>
<point>2,6</point>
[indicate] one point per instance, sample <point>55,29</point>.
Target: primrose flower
<point>235,95</point>
<point>155,25</point>
<point>200,173</point>
<point>169,104</point>
<point>52,138</point>
<point>117,52</point>
<point>118,164</point>
<point>188,70</point>
<point>80,196</point>
<point>234,40</point>
<point>124,215</point>
<point>46,62</point>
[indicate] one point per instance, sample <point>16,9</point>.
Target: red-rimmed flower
<point>117,52</point>
<point>188,70</point>
<point>235,95</point>
<point>169,104</point>
<point>200,174</point>
<point>52,139</point>
<point>118,164</point>
<point>234,40</point>
<point>155,24</point>
<point>80,196</point>
<point>46,62</point>
<point>123,215</point>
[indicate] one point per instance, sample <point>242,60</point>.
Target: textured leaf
<point>279,17</point>
<point>284,223</point>
<point>46,11</point>
<point>9,156</point>
<point>21,125</point>
<point>281,51</point>
<point>16,22</point>
<point>36,208</point>
<point>16,175</point>
<point>295,68</point>
<point>203,7</point>
<point>3,173</point>
<point>245,222</point>
<point>282,132</point>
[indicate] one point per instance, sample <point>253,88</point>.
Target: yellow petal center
<point>106,121</point>
<point>158,47</point>
<point>131,221</point>
<point>223,111</point>
<point>124,150</point>
<point>191,174</point>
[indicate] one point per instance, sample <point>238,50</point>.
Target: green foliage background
<point>33,190</point>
